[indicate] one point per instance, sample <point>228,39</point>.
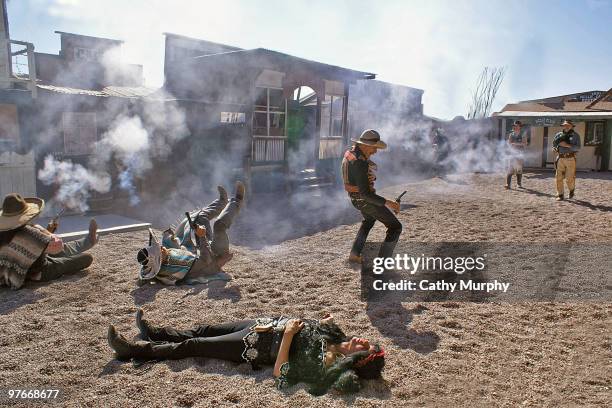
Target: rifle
<point>54,222</point>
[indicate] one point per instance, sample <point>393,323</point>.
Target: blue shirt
<point>570,137</point>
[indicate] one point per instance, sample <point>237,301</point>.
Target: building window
<point>80,133</point>
<point>269,115</point>
<point>233,117</point>
<point>84,54</point>
<point>331,116</point>
<point>594,133</point>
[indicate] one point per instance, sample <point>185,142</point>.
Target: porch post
<point>345,130</point>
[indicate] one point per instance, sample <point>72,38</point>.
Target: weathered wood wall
<point>17,174</point>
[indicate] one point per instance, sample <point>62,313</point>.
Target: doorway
<point>302,137</point>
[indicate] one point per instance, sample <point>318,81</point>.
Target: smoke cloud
<point>75,183</point>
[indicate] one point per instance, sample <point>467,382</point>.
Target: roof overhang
<point>569,115</point>
<point>261,58</point>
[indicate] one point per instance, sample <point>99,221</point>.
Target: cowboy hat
<point>150,258</point>
<point>371,137</point>
<point>567,122</point>
<point>18,211</point>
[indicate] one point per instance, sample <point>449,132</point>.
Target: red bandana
<point>371,357</point>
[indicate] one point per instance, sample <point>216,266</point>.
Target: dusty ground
<point>439,354</point>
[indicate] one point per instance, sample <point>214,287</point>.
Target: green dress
<point>306,357</point>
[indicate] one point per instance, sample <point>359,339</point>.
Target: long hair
<point>332,333</point>
<point>346,373</point>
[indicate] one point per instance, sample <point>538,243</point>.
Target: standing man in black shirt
<point>359,174</point>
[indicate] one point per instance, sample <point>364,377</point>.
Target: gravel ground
<point>439,354</point>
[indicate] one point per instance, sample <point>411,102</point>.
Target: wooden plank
<point>71,236</point>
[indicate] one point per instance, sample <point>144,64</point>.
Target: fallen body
<point>310,351</point>
<point>181,257</point>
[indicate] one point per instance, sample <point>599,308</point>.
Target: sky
<point>549,47</point>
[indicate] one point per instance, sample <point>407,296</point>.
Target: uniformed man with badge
<point>359,174</point>
<point>517,143</point>
<point>566,143</point>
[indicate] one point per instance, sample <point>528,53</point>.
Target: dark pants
<point>221,341</point>
<point>71,259</point>
<point>225,212</point>
<point>372,213</point>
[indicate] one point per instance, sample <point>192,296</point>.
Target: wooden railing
<point>268,148</point>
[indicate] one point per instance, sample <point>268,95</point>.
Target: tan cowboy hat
<point>568,122</point>
<point>371,137</point>
<point>18,211</point>
<point>149,258</point>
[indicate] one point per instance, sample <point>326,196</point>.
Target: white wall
<point>533,152</point>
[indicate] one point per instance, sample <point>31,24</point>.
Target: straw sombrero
<point>18,211</point>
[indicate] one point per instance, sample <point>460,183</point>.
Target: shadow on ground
<point>11,300</point>
<point>216,290</point>
<point>272,218</point>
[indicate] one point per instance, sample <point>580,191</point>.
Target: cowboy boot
<point>126,350</point>
<point>222,193</point>
<point>144,327</point>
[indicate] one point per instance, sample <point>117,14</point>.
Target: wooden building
<point>590,111</point>
<point>59,105</point>
<point>249,105</point>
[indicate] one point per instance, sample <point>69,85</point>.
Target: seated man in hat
<point>358,174</point>
<point>31,252</point>
<point>181,259</point>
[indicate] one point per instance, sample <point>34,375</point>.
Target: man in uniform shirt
<point>566,143</point>
<point>358,174</point>
<point>517,143</point>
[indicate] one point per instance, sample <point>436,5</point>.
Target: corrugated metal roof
<point>129,91</point>
<point>109,91</point>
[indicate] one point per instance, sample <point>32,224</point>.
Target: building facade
<point>590,111</point>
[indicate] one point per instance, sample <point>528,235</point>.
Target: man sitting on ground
<point>31,252</point>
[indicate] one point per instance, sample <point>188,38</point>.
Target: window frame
<point>282,110</point>
<point>76,129</point>
<point>591,125</point>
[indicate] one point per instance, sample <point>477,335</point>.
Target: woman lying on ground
<point>310,351</point>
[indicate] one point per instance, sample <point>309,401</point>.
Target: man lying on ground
<point>30,252</point>
<point>182,259</point>
<point>310,351</point>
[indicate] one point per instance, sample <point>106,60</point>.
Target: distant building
<point>86,62</point>
<point>591,112</point>
<point>58,104</point>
